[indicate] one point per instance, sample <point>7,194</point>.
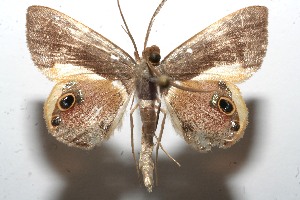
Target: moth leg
<point>158,107</point>
<point>158,139</point>
<point>159,143</point>
<point>158,111</point>
<point>132,109</point>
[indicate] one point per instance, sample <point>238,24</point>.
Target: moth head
<point>152,54</point>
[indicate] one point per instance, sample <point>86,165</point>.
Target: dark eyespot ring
<point>56,120</point>
<point>66,101</point>
<point>226,105</point>
<point>154,57</point>
<point>235,126</point>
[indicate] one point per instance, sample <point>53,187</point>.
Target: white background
<point>265,164</point>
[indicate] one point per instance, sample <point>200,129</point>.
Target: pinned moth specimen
<point>95,80</point>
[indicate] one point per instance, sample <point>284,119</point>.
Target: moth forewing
<point>61,46</point>
<point>230,49</point>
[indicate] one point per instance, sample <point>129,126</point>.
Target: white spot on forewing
<point>114,57</point>
<point>189,50</point>
<point>57,18</point>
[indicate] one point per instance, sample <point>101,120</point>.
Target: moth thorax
<point>146,89</point>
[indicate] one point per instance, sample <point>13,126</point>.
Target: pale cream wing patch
<point>97,110</point>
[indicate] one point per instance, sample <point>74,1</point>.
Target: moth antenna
<point>152,20</point>
<point>125,30</point>
<point>136,53</point>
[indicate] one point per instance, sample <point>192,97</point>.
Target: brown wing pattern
<point>97,110</point>
<point>230,49</point>
<point>61,46</point>
<point>202,124</point>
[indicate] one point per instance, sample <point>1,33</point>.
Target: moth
<point>95,80</point>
